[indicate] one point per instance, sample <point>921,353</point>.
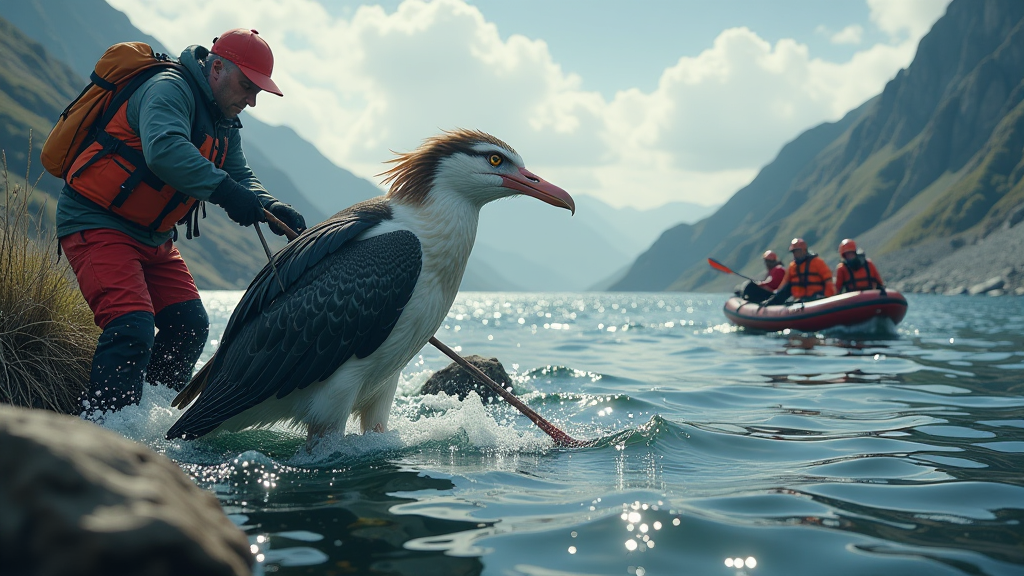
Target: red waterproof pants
<point>117,274</point>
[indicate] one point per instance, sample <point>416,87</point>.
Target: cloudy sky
<point>636,103</point>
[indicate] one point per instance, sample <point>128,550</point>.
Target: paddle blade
<point>719,266</point>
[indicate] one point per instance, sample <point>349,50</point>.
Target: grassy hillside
<point>76,32</point>
<point>34,89</point>
<point>985,196</point>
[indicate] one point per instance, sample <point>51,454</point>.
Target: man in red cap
<point>172,145</point>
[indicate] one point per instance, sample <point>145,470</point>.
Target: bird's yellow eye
<point>495,160</point>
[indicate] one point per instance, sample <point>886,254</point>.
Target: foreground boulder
<point>455,380</point>
<point>78,499</point>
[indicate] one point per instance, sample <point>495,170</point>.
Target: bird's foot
<point>314,434</point>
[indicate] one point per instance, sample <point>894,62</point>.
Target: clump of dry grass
<point>47,334</point>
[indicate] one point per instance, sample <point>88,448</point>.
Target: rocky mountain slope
<point>936,159</point>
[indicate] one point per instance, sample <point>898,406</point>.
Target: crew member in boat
<point>808,277</point>
<point>760,291</point>
<point>856,271</point>
<point>776,271</point>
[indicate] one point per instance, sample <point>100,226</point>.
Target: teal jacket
<point>161,113</point>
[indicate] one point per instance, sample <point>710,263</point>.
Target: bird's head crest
<point>412,176</point>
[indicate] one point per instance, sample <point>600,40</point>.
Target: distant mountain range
<point>931,165</point>
<point>54,44</point>
<point>524,248</point>
<point>521,247</point>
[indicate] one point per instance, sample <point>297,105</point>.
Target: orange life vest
<point>810,277</point>
<point>112,171</point>
<point>863,278</point>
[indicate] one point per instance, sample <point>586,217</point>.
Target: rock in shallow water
<point>455,380</point>
<point>78,499</point>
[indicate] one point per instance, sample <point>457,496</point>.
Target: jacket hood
<point>193,59</point>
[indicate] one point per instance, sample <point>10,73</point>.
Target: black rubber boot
<point>122,354</point>
<point>182,332</point>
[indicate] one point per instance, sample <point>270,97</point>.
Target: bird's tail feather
<point>195,387</point>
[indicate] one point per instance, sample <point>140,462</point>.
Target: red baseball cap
<point>252,54</point>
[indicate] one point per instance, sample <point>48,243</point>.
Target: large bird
<point>362,293</point>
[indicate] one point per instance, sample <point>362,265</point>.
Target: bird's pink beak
<point>528,183</point>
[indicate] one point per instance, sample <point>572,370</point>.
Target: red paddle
<point>723,268</point>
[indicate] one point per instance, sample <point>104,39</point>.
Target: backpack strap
<point>112,145</point>
<point>120,97</point>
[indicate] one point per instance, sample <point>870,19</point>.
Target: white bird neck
<point>446,223</point>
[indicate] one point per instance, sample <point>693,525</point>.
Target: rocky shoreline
<point>989,265</point>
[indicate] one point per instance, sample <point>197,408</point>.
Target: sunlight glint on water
<point>720,450</point>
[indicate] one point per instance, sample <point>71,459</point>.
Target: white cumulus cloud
<point>906,18</point>
<point>852,34</point>
<point>377,81</point>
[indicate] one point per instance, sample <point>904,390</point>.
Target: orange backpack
<point>118,74</point>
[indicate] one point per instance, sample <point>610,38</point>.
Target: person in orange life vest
<point>776,272</point>
<point>173,144</point>
<point>856,271</point>
<point>807,278</point>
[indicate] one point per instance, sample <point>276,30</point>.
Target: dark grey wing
<point>345,305</point>
<point>300,255</point>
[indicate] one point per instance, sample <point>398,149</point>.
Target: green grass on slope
<point>47,334</point>
<point>985,195</point>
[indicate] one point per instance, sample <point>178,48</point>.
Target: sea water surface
<point>893,450</point>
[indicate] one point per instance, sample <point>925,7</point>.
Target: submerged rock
<point>455,380</point>
<point>78,499</point>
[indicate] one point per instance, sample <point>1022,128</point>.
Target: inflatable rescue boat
<point>846,309</point>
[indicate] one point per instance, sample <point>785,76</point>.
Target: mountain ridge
<point>901,170</point>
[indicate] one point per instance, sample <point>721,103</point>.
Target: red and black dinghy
<point>847,309</point>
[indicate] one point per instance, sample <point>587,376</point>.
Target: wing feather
<point>346,304</point>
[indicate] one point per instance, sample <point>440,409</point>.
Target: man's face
<point>799,253</point>
<point>769,264</point>
<point>849,256</point>
<point>231,90</point>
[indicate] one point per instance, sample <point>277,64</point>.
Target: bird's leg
<point>374,414</point>
<point>315,433</point>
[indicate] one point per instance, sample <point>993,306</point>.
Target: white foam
<point>429,420</point>
<point>469,416</point>
<point>415,420</point>
<point>148,421</point>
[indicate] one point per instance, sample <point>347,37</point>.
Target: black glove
<point>289,216</point>
<point>778,297</point>
<point>241,204</point>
